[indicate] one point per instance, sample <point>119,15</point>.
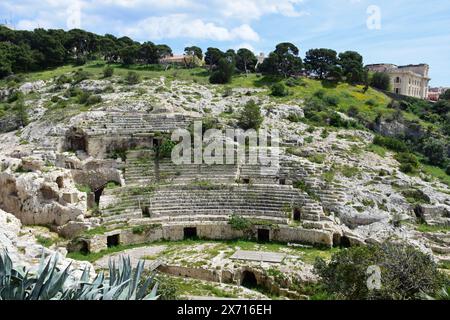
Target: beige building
<point>181,60</point>
<point>410,80</point>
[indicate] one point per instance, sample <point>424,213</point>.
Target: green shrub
<point>239,223</point>
<point>55,99</point>
<point>80,75</point>
<point>435,150</point>
<point>279,90</point>
<point>390,143</point>
<point>294,82</point>
<point>224,71</point>
<point>332,100</point>
<point>132,78</point>
<point>416,196</point>
<point>408,162</point>
<point>63,79</point>
<point>72,92</point>
<point>15,96</point>
<point>406,272</point>
<point>353,112</point>
<point>80,61</point>
<point>93,99</point>
<point>250,117</point>
<point>83,97</point>
<point>167,289</point>
<point>381,80</point>
<point>164,150</point>
<point>293,117</point>
<point>108,72</point>
<point>320,93</point>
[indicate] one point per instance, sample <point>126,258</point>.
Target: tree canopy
<point>245,60</point>
<point>23,51</point>
<point>321,62</point>
<point>284,61</point>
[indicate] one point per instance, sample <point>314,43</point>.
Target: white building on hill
<point>410,80</point>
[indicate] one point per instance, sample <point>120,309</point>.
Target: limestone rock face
<point>38,198</point>
<point>32,86</point>
<point>25,251</point>
<point>354,218</point>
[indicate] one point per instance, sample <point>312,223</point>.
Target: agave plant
<point>443,294</point>
<point>50,283</point>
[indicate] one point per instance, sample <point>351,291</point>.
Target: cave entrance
<point>246,181</point>
<point>418,211</point>
<point>190,233</point>
<point>282,182</point>
<point>341,241</point>
<point>113,241</point>
<point>297,214</point>
<point>345,242</point>
<point>248,280</point>
<point>76,142</point>
<point>263,235</point>
<point>146,212</point>
<point>97,195</point>
<point>60,182</point>
<point>84,247</point>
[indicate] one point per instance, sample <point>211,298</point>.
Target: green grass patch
<point>379,150</point>
<point>437,173</point>
<point>431,229</point>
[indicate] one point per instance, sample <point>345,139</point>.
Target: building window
<point>398,80</point>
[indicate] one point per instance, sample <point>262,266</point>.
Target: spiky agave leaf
<point>49,282</point>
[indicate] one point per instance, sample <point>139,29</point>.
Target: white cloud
<point>246,45</point>
<point>33,24</point>
<point>145,4</point>
<point>183,26</point>
<point>255,9</point>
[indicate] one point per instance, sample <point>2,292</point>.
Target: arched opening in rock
<point>248,280</point>
<point>336,240</point>
<point>345,242</point>
<point>297,214</point>
<point>47,193</point>
<point>246,181</point>
<point>98,193</point>
<point>84,247</point>
<point>113,241</point>
<point>418,211</point>
<point>263,235</point>
<point>76,141</point>
<point>341,241</point>
<point>146,212</point>
<point>190,233</point>
<point>60,182</point>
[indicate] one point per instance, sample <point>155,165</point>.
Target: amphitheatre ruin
<point>92,183</point>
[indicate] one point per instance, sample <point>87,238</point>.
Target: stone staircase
<point>192,202</point>
<point>141,168</point>
<point>117,123</point>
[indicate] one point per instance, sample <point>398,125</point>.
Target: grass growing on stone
<point>92,257</point>
<point>431,229</point>
<point>175,248</point>
<point>377,150</point>
<point>45,241</point>
<point>437,173</point>
<point>193,287</point>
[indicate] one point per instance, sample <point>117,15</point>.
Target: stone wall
<point>216,231</point>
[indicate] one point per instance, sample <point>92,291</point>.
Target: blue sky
<point>410,31</point>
